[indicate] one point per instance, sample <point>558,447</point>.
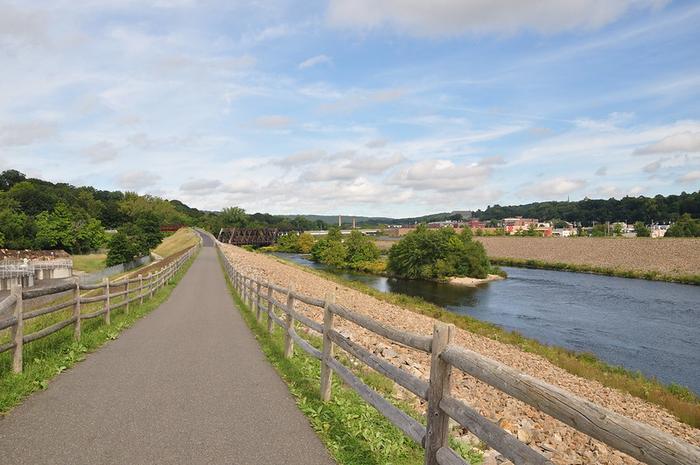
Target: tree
<point>617,229</point>
<point>9,178</point>
<point>360,248</point>
<point>332,253</point>
<point>149,225</point>
<point>438,254</point>
<point>55,229</point>
<point>686,226</point>
<point>121,249</point>
<point>641,230</point>
<point>305,243</point>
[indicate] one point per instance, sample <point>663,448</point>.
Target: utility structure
<point>250,236</point>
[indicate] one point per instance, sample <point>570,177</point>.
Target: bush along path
<point>187,384</point>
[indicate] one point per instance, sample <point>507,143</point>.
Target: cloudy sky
<point>375,107</point>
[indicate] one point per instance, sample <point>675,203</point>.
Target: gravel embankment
<point>671,256</point>
<point>562,443</point>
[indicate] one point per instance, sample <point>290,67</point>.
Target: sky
<point>364,107</point>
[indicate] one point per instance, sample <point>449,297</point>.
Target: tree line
<point>657,209</point>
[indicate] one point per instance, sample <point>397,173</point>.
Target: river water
<point>650,326</point>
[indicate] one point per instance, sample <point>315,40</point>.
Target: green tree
<point>617,229</point>
<point>360,248</point>
<point>55,229</point>
<point>334,254</point>
<point>288,242</point>
<point>121,249</point>
<point>437,254</point>
<point>305,243</point>
<point>149,225</point>
<point>641,230</point>
<point>686,226</point>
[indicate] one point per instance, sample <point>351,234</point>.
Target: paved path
<point>187,384</point>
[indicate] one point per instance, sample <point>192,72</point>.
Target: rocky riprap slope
<point>563,444</point>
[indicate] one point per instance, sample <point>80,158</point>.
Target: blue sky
<point>367,107</point>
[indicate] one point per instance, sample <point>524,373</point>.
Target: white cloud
<point>137,180</point>
<point>652,167</point>
<point>348,165</point>
<point>273,121</point>
<point>301,158</point>
<point>376,143</point>
<point>26,133</point>
<point>314,61</point>
<point>556,186</point>
<point>686,141</point>
<point>692,176</point>
<point>201,186</point>
<point>602,171</point>
<point>455,17</point>
<point>441,175</point>
<point>101,152</point>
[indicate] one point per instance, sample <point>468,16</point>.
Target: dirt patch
<point>671,256</point>
<point>562,443</point>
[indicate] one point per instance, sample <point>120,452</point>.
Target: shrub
<point>360,248</point>
<point>686,226</point>
<point>641,230</point>
<point>438,254</point>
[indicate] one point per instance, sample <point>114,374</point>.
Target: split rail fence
<point>636,439</point>
<point>115,294</point>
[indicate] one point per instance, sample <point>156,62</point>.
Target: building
<point>28,267</point>
<point>518,223</point>
<point>659,230</point>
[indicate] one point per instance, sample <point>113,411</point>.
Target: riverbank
<point>399,311</point>
<point>662,259</point>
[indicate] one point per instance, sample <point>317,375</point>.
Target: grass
<point>182,239</point>
<point>679,400</point>
<point>47,357</point>
<point>559,266</point>
<point>89,263</point>
<point>353,431</point>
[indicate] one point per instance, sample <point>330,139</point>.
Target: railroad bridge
<point>250,236</point>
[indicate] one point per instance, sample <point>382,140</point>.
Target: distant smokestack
<point>340,221</point>
<point>353,223</point>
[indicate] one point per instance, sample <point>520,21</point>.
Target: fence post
<point>326,371</point>
<point>140,289</point>
<point>126,293</point>
<point>270,323</point>
<point>289,325</point>
<point>76,310</point>
<point>151,284</point>
<point>17,329</point>
<point>258,313</point>
<point>108,310</point>
<point>437,430</point>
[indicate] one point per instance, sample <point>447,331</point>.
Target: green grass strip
<point>353,431</point>
<point>559,266</point>
<point>46,358</point>
<point>679,400</point>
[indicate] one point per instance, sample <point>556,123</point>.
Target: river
<point>649,326</point>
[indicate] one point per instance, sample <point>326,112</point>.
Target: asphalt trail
<point>187,384</point>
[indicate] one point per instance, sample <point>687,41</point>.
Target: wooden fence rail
<point>110,292</point>
<point>636,439</point>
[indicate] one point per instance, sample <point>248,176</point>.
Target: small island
<point>432,254</point>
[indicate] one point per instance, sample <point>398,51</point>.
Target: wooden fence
<point>114,294</point>
<point>636,439</point>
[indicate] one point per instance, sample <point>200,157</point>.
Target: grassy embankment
<point>89,263</point>
<point>182,239</point>
<point>579,268</point>
<point>49,356</point>
<point>679,400</point>
<point>353,431</point>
